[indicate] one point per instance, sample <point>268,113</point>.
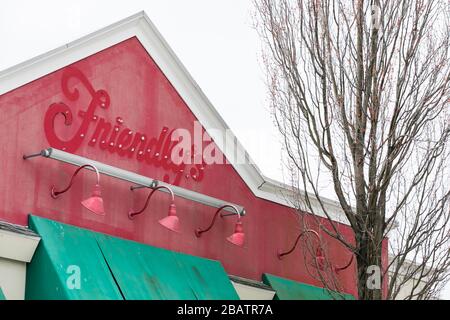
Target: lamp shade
<point>171,222</point>
<point>95,202</point>
<point>320,259</point>
<point>237,238</point>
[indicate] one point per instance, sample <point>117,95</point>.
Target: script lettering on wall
<point>112,136</point>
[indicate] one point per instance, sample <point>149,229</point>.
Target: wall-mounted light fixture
<point>238,236</point>
<point>303,233</point>
<point>319,255</point>
<point>170,222</point>
<point>95,202</point>
<point>140,180</point>
<point>339,269</point>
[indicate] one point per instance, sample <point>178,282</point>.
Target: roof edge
<point>49,54</point>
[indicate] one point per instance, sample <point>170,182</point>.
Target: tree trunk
<point>368,258</point>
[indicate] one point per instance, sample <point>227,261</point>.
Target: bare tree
<point>360,92</point>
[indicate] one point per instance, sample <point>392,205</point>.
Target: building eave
<point>17,243</point>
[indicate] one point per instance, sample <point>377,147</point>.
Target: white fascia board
<point>140,25</point>
<point>282,193</point>
<point>16,246</point>
<point>67,54</point>
<point>246,292</point>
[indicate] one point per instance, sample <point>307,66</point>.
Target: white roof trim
<point>16,246</point>
<point>139,25</point>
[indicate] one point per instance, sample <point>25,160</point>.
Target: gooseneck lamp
<point>318,251</point>
<point>320,257</point>
<point>139,180</point>
<point>339,269</point>
<point>170,222</point>
<point>238,236</point>
<point>95,202</point>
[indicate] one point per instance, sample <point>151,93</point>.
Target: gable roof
<point>141,27</point>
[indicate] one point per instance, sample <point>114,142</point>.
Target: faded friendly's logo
<point>113,137</point>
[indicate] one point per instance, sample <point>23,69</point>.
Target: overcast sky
<point>214,39</point>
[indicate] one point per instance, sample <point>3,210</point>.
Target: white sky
<point>213,39</point>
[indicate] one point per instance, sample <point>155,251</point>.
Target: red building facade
<point>115,97</point>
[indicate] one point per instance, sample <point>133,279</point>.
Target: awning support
<point>134,178</point>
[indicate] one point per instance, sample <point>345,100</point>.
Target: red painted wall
<point>146,101</point>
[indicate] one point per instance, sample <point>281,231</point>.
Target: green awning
<point>292,290</point>
<point>2,296</point>
<point>113,268</point>
<point>159,274</point>
<point>62,252</point>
